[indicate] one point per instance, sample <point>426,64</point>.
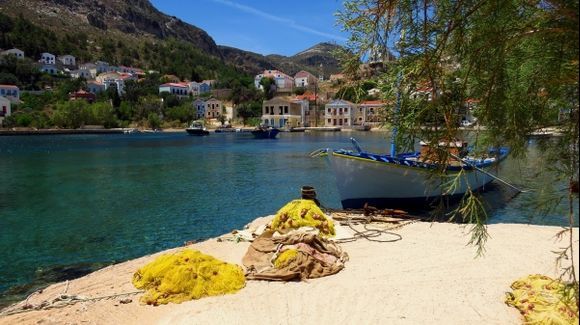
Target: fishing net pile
<point>293,256</point>
<point>187,275</point>
<point>302,213</point>
<point>542,300</point>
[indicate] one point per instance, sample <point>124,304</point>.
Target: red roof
<point>302,74</point>
<point>173,84</point>
<point>9,86</point>
<point>471,100</point>
<point>307,95</point>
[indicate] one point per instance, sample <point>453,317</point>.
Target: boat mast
<point>397,109</point>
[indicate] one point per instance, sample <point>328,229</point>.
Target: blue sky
<point>263,26</point>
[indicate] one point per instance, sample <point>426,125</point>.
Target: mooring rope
<point>62,300</point>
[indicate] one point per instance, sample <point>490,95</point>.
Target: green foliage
<point>183,113</point>
<point>249,110</point>
<point>299,90</point>
<point>269,87</point>
<point>153,121</point>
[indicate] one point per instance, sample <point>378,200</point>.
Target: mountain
<point>138,21</point>
<point>309,60</point>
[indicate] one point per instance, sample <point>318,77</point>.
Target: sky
<point>283,27</point>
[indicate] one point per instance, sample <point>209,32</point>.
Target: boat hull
<point>265,134</point>
<point>390,185</point>
<point>198,132</point>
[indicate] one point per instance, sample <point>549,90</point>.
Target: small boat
<point>406,180</point>
<point>264,132</point>
<point>197,128</point>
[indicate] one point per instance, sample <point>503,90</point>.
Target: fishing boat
<point>265,132</point>
<point>197,128</point>
<point>407,179</point>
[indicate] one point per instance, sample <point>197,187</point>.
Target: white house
<point>4,108</point>
<point>67,59</point>
<point>81,73</point>
<point>95,87</point>
<point>304,79</point>
<point>11,92</point>
<point>91,68</point>
<point>180,90</point>
<point>283,81</point>
<point>19,54</point>
<point>47,58</point>
<point>339,112</point>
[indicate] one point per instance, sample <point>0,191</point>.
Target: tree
<point>249,110</point>
<point>519,58</point>
<point>269,86</point>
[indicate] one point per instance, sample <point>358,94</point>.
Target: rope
<point>60,301</point>
<point>369,234</point>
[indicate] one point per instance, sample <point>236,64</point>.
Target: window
<point>329,121</point>
<point>285,109</point>
<point>346,110</point>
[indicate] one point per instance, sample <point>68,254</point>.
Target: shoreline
<point>430,276</point>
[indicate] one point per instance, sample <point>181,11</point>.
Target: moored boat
<point>265,132</point>
<point>197,128</point>
<point>406,180</point>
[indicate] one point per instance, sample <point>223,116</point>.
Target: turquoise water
<point>72,204</point>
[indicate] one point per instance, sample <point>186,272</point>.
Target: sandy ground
<point>429,277</point>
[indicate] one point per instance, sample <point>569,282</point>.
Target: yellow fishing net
<point>542,300</point>
<point>285,258</point>
<point>301,213</point>
<point>187,275</point>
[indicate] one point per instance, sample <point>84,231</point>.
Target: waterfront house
<point>95,87</point>
<point>339,112</point>
<point>199,108</point>
<point>112,79</point>
<point>67,59</point>
<point>19,54</point>
<point>283,112</point>
<point>11,92</point>
<point>213,108</point>
<point>304,79</point>
<point>370,112</point>
<point>284,83</point>
<point>310,117</point>
<point>181,90</point>
<point>84,95</point>
<point>4,108</point>
<point>47,58</point>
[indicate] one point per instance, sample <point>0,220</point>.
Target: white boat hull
<point>390,185</point>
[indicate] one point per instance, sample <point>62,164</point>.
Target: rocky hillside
<point>138,20</point>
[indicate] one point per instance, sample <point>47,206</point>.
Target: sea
<point>72,204</point>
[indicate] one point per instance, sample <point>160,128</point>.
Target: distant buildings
<point>67,59</point>
<point>199,108</point>
<point>5,111</point>
<point>180,90</point>
<point>95,87</point>
<point>84,95</point>
<point>47,58</point>
<point>11,92</point>
<point>304,79</point>
<point>370,112</point>
<point>213,108</point>
<point>284,112</point>
<point>19,54</point>
<point>339,112</point>
<point>284,82</point>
